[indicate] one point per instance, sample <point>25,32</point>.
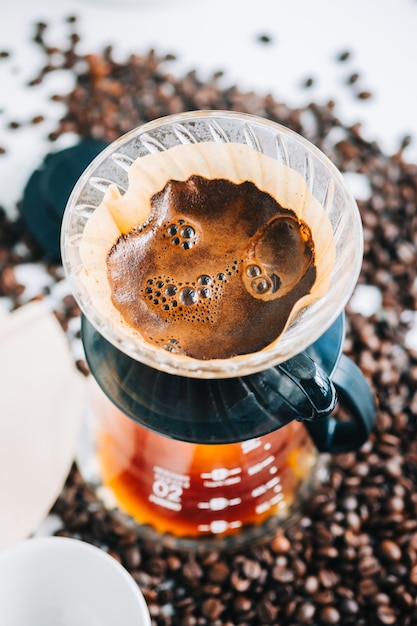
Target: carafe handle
<point>316,386</point>
<point>338,435</point>
<point>348,385</point>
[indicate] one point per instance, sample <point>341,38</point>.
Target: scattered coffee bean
<point>37,119</point>
<point>349,606</point>
<point>267,612</point>
<point>242,604</point>
<point>280,544</point>
<point>264,38</point>
<point>329,615</point>
<point>364,95</point>
<point>353,78</point>
<point>386,615</point>
<point>390,551</point>
<point>306,612</point>
<point>219,572</point>
<point>311,585</point>
<point>344,56</point>
<point>212,608</point>
<point>251,569</point>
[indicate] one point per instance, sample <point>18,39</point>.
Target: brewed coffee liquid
<point>193,490</point>
<point>215,271</point>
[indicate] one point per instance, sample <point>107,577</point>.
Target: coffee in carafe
<point>186,490</point>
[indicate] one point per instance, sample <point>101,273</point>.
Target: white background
<point>210,35</point>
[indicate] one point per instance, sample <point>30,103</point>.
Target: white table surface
<point>306,38</point>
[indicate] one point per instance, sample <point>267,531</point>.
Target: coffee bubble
<point>187,232</point>
<point>260,285</point>
<point>253,270</point>
<point>188,296</point>
<point>280,254</point>
<point>171,290</point>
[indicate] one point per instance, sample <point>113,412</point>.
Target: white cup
<point>56,581</point>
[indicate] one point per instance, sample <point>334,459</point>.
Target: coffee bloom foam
<point>118,214</point>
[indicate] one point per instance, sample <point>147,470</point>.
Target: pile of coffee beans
<point>352,558</point>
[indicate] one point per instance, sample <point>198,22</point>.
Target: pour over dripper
<point>322,185</point>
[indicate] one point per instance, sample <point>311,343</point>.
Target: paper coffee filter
<point>119,213</point>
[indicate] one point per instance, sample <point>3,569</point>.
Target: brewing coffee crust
<point>210,252</point>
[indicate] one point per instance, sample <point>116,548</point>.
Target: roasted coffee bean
<point>329,615</point>
<point>192,571</point>
<point>156,566</point>
<point>344,56</point>
<point>328,578</point>
<point>264,38</point>
<point>280,544</point>
<point>266,612</point>
<point>389,550</point>
<point>238,582</point>
<point>299,567</point>
<point>369,566</point>
<point>132,557</point>
<point>364,95</point>
<point>349,606</point>
<point>324,596</point>
<point>282,574</point>
<point>219,572</point>
<point>353,521</point>
<point>403,598</point>
<point>251,569</point>
<point>367,587</point>
<point>210,589</point>
<point>242,604</point>
<point>353,78</point>
<point>329,552</point>
<point>212,609</point>
<point>306,612</point>
<point>311,585</point>
<point>386,615</point>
